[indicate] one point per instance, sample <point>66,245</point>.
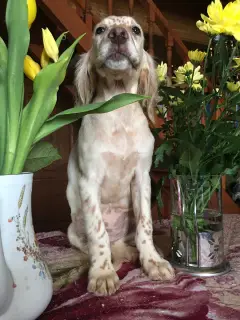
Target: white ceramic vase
<point>25,282</point>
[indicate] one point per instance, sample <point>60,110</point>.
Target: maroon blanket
<point>138,298</point>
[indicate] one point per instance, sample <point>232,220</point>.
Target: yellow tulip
<point>32,11</point>
<point>232,86</point>
<point>196,56</point>
<point>50,45</point>
<point>44,59</point>
<point>31,68</point>
<point>162,71</point>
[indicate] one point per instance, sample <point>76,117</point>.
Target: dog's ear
<point>148,85</point>
<point>85,79</point>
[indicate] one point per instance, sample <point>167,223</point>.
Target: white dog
<point>109,184</point>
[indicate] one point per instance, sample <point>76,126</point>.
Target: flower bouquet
<point>202,138</point>
<point>22,128</point>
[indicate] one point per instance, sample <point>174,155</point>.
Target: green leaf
<point>190,159</point>
<point>216,169</point>
<point>42,103</point>
<point>60,38</point>
<point>69,116</point>
<point>176,92</point>
<point>232,171</point>
<point>165,147</point>
<point>18,43</point>
<point>159,199</point>
<point>41,156</point>
<point>3,103</point>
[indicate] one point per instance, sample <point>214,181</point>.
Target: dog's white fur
<point>109,166</point>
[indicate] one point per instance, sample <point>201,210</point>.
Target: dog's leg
<point>153,264</point>
<point>103,279</point>
<point>123,251</point>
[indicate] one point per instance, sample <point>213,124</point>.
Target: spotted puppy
<point>109,184</point>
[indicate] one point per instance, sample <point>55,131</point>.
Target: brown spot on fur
<point>101,253</point>
<point>144,241</point>
<point>94,261</point>
<point>101,246</point>
<point>152,261</point>
<point>86,201</point>
<point>149,224</point>
<point>148,232</point>
<point>99,225</point>
<point>103,234</point>
<point>93,209</point>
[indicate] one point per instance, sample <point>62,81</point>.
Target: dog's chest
<point>121,153</point>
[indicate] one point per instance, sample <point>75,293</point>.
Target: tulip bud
<point>31,68</point>
<point>32,12</point>
<point>50,45</point>
<point>44,59</point>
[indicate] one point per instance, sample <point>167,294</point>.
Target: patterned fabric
<point>185,298</point>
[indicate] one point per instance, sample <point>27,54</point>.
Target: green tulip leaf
<point>41,156</point>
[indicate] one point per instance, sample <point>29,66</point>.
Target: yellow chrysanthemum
<point>162,71</point>
<point>196,56</point>
<point>237,61</point>
<point>222,20</point>
<point>197,87</point>
<point>184,74</point>
<point>233,86</point>
<point>175,101</point>
<point>205,27</point>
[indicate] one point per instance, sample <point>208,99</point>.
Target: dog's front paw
<point>158,268</point>
<point>103,282</point>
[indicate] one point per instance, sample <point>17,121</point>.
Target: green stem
<point>205,62</point>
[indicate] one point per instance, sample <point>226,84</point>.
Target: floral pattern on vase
<point>29,248</point>
<point>28,277</point>
<point>211,249</point>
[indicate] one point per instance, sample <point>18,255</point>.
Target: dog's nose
<point>118,35</point>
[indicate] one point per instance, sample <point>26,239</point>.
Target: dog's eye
<point>136,30</point>
<point>100,30</point>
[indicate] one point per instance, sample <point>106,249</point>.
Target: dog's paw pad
<point>159,269</point>
<point>103,284</point>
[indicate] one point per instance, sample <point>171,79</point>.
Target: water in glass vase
<point>197,227</point>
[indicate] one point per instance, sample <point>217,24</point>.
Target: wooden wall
<point>185,27</point>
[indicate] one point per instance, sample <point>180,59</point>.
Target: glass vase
<point>197,225</point>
